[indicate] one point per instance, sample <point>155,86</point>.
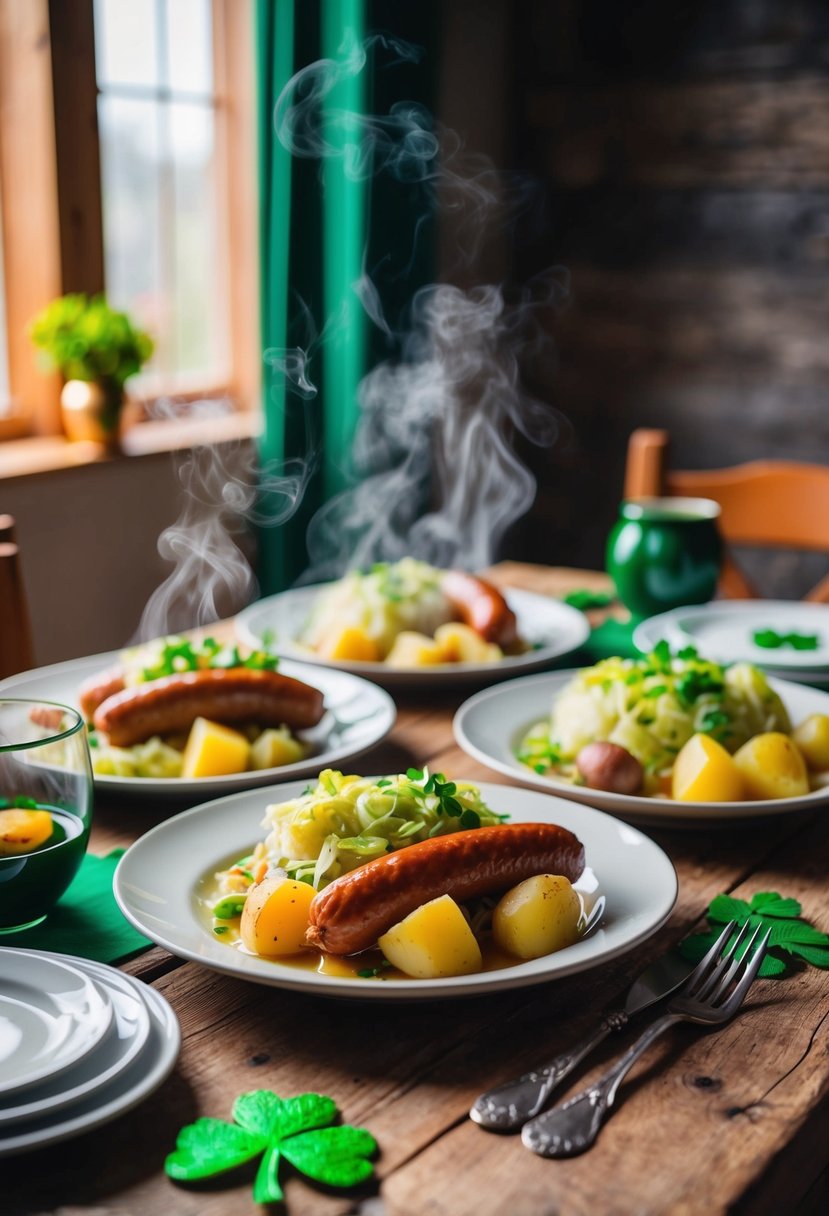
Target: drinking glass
<point>45,807</point>
<point>664,553</point>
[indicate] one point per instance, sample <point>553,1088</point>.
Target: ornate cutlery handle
<point>572,1127</point>
<point>508,1106</point>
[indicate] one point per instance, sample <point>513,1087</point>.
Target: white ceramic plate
<point>553,629</point>
<point>145,1074</point>
<point>491,725</point>
<point>156,880</point>
<point>51,1014</point>
<point>358,715</point>
<point>119,1047</point>
<point>724,631</point>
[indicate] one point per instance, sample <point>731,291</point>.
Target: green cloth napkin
<point>86,921</point>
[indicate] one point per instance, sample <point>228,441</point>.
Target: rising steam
<point>434,449</point>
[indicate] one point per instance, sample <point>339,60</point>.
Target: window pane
<point>199,289</point>
<point>131,171</point>
<point>126,42</point>
<point>189,46</point>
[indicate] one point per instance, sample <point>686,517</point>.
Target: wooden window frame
<point>51,189</point>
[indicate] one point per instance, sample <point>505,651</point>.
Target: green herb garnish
<point>792,937</point>
<point>584,599</point>
<point>770,639</point>
<point>296,1129</point>
<point>179,655</point>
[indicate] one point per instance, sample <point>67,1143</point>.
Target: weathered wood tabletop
<point>732,1121</point>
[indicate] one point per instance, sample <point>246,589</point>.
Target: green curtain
<point>316,236</point>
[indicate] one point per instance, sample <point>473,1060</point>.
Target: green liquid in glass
<point>31,883</point>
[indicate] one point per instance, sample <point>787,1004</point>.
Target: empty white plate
<point>129,1032</point>
<point>144,1074</point>
<point>51,1014</point>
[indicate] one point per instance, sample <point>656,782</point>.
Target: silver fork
<point>712,995</point>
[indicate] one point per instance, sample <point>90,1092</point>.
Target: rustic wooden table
<point>733,1121</point>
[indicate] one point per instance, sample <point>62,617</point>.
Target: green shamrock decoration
<point>791,937</point>
<point>296,1129</point>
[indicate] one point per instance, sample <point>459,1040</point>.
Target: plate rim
<point>664,811</point>
<point>447,673</point>
<point>145,1077</point>
<point>88,1044</point>
<point>270,973</point>
<point>187,787</point>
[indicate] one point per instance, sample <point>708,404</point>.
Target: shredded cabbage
<point>385,601</point>
<point>344,821</point>
<point>652,706</point>
<point>154,758</point>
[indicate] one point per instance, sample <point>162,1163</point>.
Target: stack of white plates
<point>725,631</point>
<point>79,1043</point>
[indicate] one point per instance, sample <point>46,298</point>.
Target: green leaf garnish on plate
<point>297,1130</point>
<point>792,938</point>
<point>770,639</point>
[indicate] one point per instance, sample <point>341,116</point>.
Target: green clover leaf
<point>296,1129</point>
<point>791,937</point>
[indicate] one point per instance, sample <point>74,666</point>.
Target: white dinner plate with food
<point>51,1015</point>
<point>115,1053</point>
<point>158,880</point>
<point>796,634</point>
<point>491,725</point>
<point>357,715</point>
<point>549,628</point>
<point>127,1089</point>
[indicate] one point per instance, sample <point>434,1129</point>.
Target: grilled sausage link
<point>237,694</point>
<point>95,691</point>
<point>353,911</point>
<point>481,606</point>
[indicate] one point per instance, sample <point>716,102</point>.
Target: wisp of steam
<point>435,472</point>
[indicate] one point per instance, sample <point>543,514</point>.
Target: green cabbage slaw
<point>652,706</point>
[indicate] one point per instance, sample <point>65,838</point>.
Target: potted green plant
<point>96,350</point>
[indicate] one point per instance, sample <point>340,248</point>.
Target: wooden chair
<point>16,652</point>
<point>766,503</point>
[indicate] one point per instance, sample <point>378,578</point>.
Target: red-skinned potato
<point>607,766</point>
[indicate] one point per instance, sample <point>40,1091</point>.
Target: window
<point>145,128</point>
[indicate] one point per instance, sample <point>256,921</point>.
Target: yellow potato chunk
<point>23,831</point>
<point>433,941</point>
<point>275,916</point>
<point>349,645</point>
<point>274,748</point>
<point>460,644</point>
<point>537,917</point>
<point>812,738</point>
<point>414,650</point>
<point>772,767</point>
<point>213,750</point>
<point>705,772</point>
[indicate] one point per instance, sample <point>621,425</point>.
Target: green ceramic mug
<point>665,552</point>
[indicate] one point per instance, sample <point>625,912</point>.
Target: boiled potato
<point>705,772</point>
<point>772,767</point>
<point>812,738</point>
<point>23,831</point>
<point>274,748</point>
<point>275,916</point>
<point>536,917</point>
<point>414,650</point>
<point>460,644</point>
<point>349,645</point>
<point>213,750</point>
<point>433,941</point>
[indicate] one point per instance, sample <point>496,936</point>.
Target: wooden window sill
<point>46,454</point>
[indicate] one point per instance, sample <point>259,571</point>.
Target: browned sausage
<point>96,690</point>
<point>354,910</point>
<point>480,606</point>
<point>237,694</point>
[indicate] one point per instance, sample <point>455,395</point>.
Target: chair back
<point>16,651</point>
<point>767,503</point>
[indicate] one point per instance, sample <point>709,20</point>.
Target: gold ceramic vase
<point>91,410</point>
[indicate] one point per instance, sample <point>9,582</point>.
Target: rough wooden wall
<point>684,149</point>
